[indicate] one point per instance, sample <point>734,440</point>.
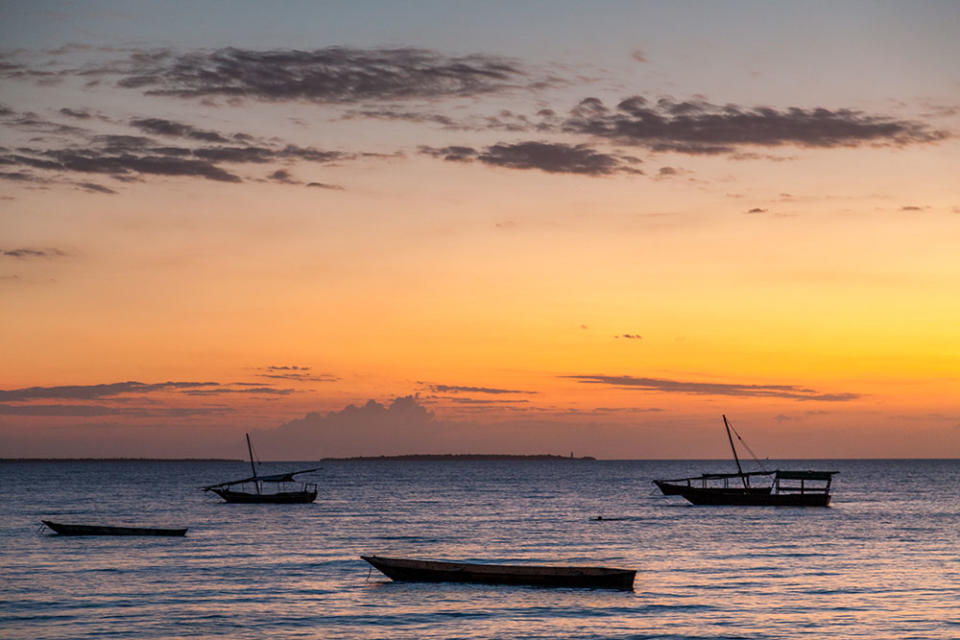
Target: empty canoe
<point>543,576</point>
<point>102,530</point>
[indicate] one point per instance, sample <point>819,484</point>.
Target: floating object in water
<point>104,530</point>
<point>541,576</point>
<point>251,490</point>
<point>723,489</point>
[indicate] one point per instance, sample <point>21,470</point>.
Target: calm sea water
<point>882,562</point>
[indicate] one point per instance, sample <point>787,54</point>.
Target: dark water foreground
<point>883,562</point>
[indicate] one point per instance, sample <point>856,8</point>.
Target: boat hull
<point>541,576</point>
<point>752,498</point>
<point>284,497</point>
<point>101,530</point>
<point>675,489</point>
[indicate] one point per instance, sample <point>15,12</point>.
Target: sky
<point>376,228</point>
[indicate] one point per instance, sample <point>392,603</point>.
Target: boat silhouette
<point>777,488</point>
<point>269,489</point>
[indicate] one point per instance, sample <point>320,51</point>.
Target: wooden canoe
<point>281,497</point>
<point>103,530</point>
<point>541,576</point>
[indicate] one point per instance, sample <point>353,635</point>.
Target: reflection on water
<point>881,563</point>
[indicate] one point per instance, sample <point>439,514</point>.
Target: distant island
<point>408,457</point>
<point>465,457</point>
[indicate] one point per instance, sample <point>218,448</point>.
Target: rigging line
<point>256,458</point>
<point>747,447</point>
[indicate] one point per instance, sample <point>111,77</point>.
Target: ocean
<point>882,562</point>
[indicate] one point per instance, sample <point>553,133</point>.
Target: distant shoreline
<point>408,457</point>
<point>459,457</point>
<point>463,456</point>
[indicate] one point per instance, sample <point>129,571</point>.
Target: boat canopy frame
<point>821,480</point>
<point>704,479</point>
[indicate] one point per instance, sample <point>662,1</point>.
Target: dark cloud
<point>161,127</point>
<point>302,377</point>
<point>120,156</point>
<point>130,158</point>
<point>453,153</point>
<point>120,143</point>
<point>21,176</point>
<point>311,154</point>
<point>545,156</point>
<point>89,392</point>
<point>129,164</point>
<point>87,411</point>
<point>447,388</point>
<point>79,114</point>
<point>25,253</point>
<point>557,158</point>
<point>283,176</point>
<point>911,208</point>
<point>236,154</point>
<point>259,154</point>
<point>714,389</point>
<point>757,210</point>
<point>630,336</point>
<point>323,185</point>
<point>95,188</point>
<point>408,116</point>
<point>29,161</point>
<point>747,155</point>
<point>698,127</point>
<point>296,373</point>
<point>505,120</point>
<point>514,122</point>
<point>330,75</point>
<point>252,390</point>
<point>34,123</point>
<point>484,401</point>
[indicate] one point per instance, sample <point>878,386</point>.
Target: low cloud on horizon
<point>790,392</point>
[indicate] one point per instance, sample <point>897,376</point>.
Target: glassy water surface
<point>882,562</point>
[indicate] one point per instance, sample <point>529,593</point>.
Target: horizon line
<point>432,457</point>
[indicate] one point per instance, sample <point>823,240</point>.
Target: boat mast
<point>254,467</point>
<point>734,449</point>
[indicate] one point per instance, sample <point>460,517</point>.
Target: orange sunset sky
<point>441,227</point>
